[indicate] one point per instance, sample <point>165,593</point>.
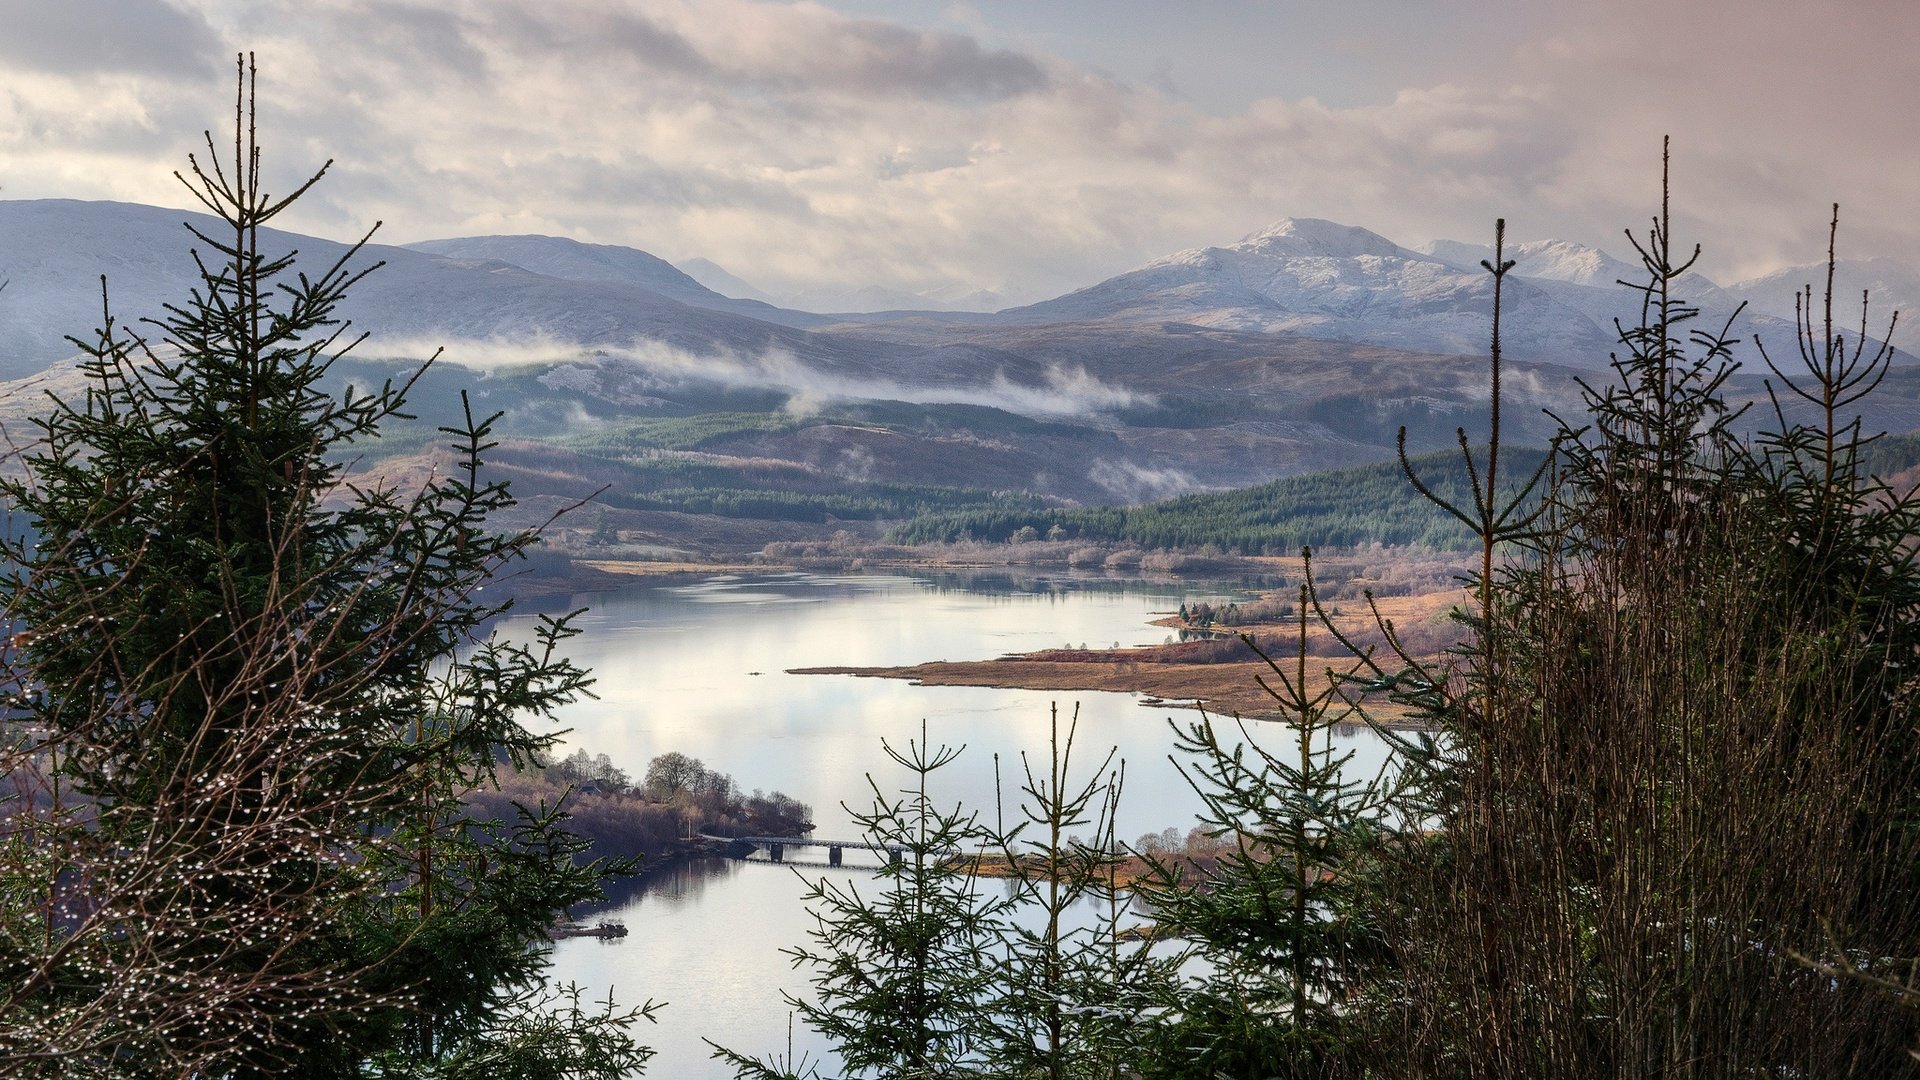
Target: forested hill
<point>1339,508</point>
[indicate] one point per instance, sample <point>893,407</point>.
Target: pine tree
<point>242,718</point>
<point>1069,994</point>
<point>901,973</point>
<point>1284,919</point>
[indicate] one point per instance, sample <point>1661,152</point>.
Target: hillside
<point>717,423</point>
<point>1337,508</point>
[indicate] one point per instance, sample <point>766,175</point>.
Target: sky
<point>1025,147</point>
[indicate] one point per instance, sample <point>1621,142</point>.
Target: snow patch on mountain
<point>1542,260</point>
<point>1315,238</point>
<point>1322,279</point>
<point>1891,285</point>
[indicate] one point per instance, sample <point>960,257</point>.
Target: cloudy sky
<point>1022,146</point>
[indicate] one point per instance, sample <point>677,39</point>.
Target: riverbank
<point>621,569</point>
<point>1339,571</point>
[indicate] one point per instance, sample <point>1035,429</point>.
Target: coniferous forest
<point>1660,819</point>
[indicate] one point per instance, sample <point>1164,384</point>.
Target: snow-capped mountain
<point>1894,286</point>
<point>1543,260</point>
<point>1321,279</point>
<point>1588,280</point>
<point>1582,276</point>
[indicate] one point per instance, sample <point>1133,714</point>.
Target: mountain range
<point>1305,344</point>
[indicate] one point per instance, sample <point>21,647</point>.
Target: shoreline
<point>1166,676</point>
<point>1225,689</point>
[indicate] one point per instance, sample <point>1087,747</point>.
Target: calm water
<point>700,668</point>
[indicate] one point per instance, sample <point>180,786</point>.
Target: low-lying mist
<point>648,371</point>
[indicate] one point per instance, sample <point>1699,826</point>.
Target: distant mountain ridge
<point>1297,277</point>
<point>54,252</point>
<point>1303,345</point>
<point>715,277</point>
<point>867,300</point>
<point>1894,286</point>
<point>607,264</point>
<point>1322,279</point>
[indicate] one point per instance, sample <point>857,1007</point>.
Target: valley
<point>692,426</point>
<point>672,423</point>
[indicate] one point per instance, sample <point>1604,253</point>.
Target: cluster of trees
<point>678,797</point>
<point>581,768</point>
<point>681,432</point>
<point>1664,823</point>
<point>716,803</point>
<point>1342,508</point>
<point>1204,614</point>
<point>672,484</point>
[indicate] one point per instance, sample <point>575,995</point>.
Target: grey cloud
<point>426,38</point>
<point>875,57</point>
<point>804,50</point>
<point>634,182</point>
<point>600,32</point>
<point>145,37</point>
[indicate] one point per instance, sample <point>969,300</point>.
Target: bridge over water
<point>777,847</point>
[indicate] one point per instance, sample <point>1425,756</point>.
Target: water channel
<point>699,667</point>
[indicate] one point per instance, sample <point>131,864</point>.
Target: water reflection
<point>700,667</point>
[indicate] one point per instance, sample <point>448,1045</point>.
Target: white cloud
<point>798,146</point>
<point>1133,484</point>
<point>646,367</point>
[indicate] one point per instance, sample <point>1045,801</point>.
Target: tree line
<point>1340,508</point>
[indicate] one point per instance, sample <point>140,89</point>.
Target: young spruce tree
<point>1283,920</point>
<point>240,721</point>
<point>900,972</point>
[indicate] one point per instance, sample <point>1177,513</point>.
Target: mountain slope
<point>54,251</point>
<point>606,264</point>
<point>1894,286</point>
<point>1320,279</point>
<point>715,277</point>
